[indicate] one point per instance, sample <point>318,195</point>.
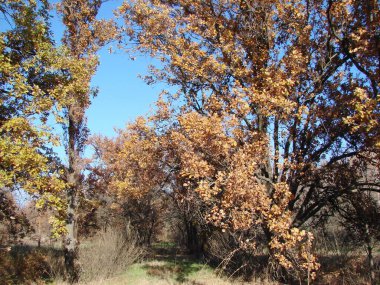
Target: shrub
<point>29,265</point>
<point>107,253</point>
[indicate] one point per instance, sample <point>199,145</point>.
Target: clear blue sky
<point>122,94</point>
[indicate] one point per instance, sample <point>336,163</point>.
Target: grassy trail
<point>168,265</point>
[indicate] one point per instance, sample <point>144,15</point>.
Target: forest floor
<point>168,265</point>
<point>164,264</point>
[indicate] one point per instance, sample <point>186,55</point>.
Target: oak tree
<point>277,96</point>
<point>40,82</point>
<point>83,37</point>
<point>31,68</point>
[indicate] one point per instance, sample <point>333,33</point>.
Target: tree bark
<point>194,244</point>
<point>370,256</point>
<point>71,244</point>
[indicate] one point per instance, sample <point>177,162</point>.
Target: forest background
<point>263,148</point>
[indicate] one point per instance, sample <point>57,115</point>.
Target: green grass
<point>169,265</point>
<point>173,272</point>
<point>170,272</point>
<point>136,274</point>
<point>164,244</point>
<point>179,271</point>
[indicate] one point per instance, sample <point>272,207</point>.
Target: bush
<point>107,253</point>
<point>30,265</point>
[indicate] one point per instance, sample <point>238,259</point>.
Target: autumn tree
<point>130,178</point>
<point>277,97</point>
<point>41,81</point>
<point>83,37</point>
<point>30,70</point>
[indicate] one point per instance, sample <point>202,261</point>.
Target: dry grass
<point>108,253</point>
<point>172,273</point>
<point>343,262</point>
<point>112,257</point>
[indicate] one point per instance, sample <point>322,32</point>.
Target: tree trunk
<point>193,243</point>
<point>370,256</point>
<point>151,228</point>
<point>70,250</point>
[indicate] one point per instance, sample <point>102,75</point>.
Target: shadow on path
<point>169,262</point>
